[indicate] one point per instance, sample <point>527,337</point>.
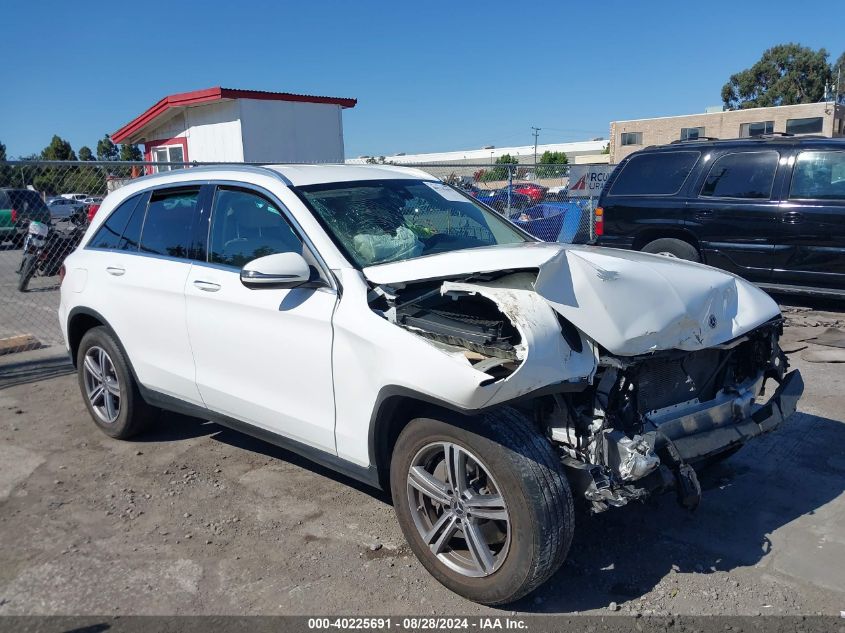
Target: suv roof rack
<point>694,140</point>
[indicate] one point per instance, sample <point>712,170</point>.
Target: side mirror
<point>282,270</point>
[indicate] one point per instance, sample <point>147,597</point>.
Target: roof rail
<point>693,140</point>
<point>774,135</point>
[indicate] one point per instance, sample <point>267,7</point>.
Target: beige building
<point>826,119</point>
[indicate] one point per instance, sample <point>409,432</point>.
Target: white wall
<point>214,132</point>
<point>290,132</point>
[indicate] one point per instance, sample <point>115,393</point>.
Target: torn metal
<point>635,366</point>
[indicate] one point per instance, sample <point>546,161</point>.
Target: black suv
<point>770,209</point>
<point>17,208</point>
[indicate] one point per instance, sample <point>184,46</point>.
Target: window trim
<point>771,197</point>
<point>624,165</point>
<point>790,199</point>
<point>143,196</point>
<point>300,233</point>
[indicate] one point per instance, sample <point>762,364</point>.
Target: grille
<point>663,382</point>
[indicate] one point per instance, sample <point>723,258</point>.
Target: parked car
<point>534,191</point>
<point>500,200</point>
<point>388,326</point>
<point>92,200</point>
<point>92,211</point>
<point>769,209</point>
<point>560,193</point>
<point>17,208</point>
<point>64,208</point>
<point>78,197</point>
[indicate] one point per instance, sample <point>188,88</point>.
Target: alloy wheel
<point>458,509</point>
<point>102,386</point>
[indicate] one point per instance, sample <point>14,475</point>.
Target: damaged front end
<point>651,419</point>
<point>634,392</point>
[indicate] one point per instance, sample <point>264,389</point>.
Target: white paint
<point>214,132</point>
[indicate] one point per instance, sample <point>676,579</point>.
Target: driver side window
<point>246,226</point>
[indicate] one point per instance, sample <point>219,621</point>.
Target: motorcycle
<point>45,249</point>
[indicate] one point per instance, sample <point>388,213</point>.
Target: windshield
<point>379,221</point>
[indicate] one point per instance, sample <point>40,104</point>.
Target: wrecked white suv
<point>384,324</point>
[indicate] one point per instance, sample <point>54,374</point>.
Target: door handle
<point>792,217</point>
<point>704,214</point>
<point>208,286</point>
<point>117,271</point>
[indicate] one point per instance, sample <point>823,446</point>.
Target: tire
<point>28,266</point>
<point>673,247</point>
<point>508,456</point>
<point>131,415</point>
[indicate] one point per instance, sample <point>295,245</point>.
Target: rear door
<point>734,213</point>
<point>812,221</point>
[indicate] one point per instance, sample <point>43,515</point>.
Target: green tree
<point>501,169</point>
<point>6,171</point>
<point>131,153</point>
<point>552,158</point>
<point>786,74</point>
<point>106,150</point>
<point>85,153</point>
<point>837,72</point>
<point>58,149</point>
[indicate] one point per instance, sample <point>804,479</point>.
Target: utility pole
<point>536,135</point>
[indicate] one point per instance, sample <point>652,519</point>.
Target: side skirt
<point>365,474</point>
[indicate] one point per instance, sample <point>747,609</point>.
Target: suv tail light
<point>14,216</point>
<point>61,274</point>
<point>599,221</point>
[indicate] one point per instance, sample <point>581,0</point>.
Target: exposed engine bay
<point>625,425</point>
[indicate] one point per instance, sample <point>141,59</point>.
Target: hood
<point>630,303</point>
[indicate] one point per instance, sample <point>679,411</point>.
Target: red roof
<point>217,93</point>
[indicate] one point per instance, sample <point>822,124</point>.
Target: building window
<point>168,154</point>
<point>756,129</point>
<point>691,133</point>
<point>632,138</point>
<point>812,125</point>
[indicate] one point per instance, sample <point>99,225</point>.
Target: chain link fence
<point>45,209</point>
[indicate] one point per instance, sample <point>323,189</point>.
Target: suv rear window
<point>742,175</point>
<point>24,201</point>
<point>658,174</point>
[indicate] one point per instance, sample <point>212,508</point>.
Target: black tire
<point>529,477</point>
<point>134,414</point>
<point>673,247</point>
<point>27,271</point>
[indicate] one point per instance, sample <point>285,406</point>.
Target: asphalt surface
<point>197,519</point>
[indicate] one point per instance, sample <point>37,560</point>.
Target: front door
<point>263,356</point>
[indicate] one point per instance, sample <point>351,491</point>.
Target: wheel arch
<point>649,235</point>
<point>82,319</point>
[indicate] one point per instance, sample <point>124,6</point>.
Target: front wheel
<point>27,270</point>
<point>483,503</point>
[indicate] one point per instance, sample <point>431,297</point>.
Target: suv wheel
<point>483,503</point>
<point>108,388</point>
<point>672,247</point>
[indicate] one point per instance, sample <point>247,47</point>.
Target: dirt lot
<point>196,519</point>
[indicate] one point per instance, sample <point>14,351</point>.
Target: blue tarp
<point>555,221</point>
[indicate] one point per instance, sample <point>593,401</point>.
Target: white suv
<point>391,327</point>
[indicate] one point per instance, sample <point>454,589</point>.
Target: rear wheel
<point>108,388</point>
<point>483,503</point>
<point>673,247</point>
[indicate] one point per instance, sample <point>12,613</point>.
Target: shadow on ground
<point>623,554</point>
<point>28,371</point>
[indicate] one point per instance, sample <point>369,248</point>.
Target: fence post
<point>592,221</point>
<point>510,183</point>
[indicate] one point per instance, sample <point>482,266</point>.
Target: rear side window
<point>168,223</point>
<point>742,175</point>
<point>658,174</point>
<point>27,202</point>
<point>108,235</point>
<point>818,176</point>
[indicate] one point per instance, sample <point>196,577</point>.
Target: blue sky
<point>428,76</point>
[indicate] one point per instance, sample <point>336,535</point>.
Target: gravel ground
<point>197,519</point>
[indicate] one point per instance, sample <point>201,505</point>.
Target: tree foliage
<point>786,74</point>
<point>130,152</point>
<point>501,169</point>
<point>58,149</point>
<point>106,150</point>
<point>552,158</point>
<point>85,153</point>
